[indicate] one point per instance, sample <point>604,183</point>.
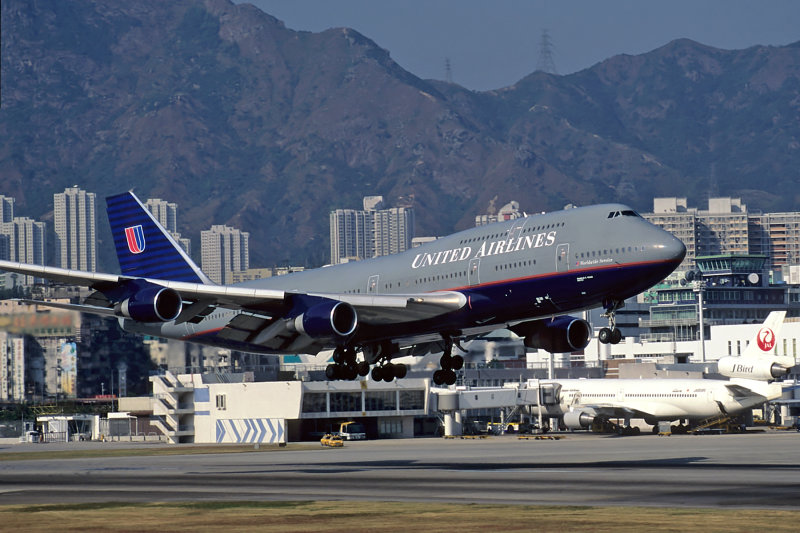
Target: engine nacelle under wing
<point>578,420</point>
<point>762,368</point>
<point>327,320</point>
<point>151,304</point>
<point>560,335</point>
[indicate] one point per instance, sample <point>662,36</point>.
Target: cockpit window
<point>626,213</point>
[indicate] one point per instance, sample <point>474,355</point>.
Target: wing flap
<point>82,308</point>
<point>62,275</point>
<point>739,391</point>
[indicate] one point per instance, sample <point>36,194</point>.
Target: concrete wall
<point>243,412</point>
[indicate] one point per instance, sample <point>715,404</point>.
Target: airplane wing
<point>615,411</point>
<point>262,306</point>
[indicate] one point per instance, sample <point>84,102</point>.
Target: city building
<point>167,215</point>
<point>371,232</point>
<point>727,227</point>
<point>23,240</point>
<point>75,229</point>
<point>507,212</point>
<point>12,367</point>
<point>6,208</point>
<point>224,251</point>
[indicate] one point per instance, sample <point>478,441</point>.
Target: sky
<point>492,44</point>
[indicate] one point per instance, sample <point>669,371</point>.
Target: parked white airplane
<point>583,401</point>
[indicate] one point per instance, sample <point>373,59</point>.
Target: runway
<point>749,470</point>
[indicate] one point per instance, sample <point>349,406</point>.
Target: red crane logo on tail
<point>765,339</point>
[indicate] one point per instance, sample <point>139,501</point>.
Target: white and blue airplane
<point>524,274</point>
<point>584,401</point>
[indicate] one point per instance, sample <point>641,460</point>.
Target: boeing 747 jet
<point>525,274</point>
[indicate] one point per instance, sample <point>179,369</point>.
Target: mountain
<point>222,109</point>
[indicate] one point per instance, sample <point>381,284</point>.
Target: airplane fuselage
<point>533,267</point>
<point>663,399</point>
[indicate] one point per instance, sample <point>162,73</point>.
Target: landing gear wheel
<point>387,372</point>
<point>399,371</point>
<point>363,368</point>
<point>616,336</point>
<point>456,362</point>
<point>349,372</point>
<point>377,373</point>
<point>438,377</point>
<point>450,377</point>
<point>332,372</point>
<point>446,361</point>
<point>604,335</point>
<point>349,356</point>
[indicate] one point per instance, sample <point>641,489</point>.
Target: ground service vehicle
<point>352,431</point>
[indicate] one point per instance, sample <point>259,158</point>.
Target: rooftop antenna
<point>448,70</point>
<point>546,62</point>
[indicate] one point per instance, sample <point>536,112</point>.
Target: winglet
<point>144,248</point>
<point>766,338</point>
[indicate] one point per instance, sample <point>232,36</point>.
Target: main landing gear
<point>449,363</point>
<point>346,367</point>
<point>611,335</point>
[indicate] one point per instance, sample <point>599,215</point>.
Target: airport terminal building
<point>198,408</point>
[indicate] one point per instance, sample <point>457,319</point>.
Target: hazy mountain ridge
<point>221,108</point>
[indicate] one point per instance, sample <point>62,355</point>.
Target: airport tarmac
<point>754,470</point>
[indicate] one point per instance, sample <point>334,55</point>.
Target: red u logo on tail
<point>135,238</point>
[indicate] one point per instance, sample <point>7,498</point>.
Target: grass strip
<point>324,516</point>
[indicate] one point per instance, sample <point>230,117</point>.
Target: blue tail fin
<point>144,248</point>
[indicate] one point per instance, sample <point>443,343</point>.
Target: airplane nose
<point>671,247</point>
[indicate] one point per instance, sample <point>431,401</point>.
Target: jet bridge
<point>534,393</point>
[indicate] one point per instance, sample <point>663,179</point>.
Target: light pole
<point>699,287</point>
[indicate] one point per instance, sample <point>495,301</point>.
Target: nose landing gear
<point>611,335</point>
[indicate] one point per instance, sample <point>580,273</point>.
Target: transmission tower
<point>448,70</point>
<point>546,62</point>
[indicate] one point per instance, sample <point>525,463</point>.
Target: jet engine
<point>562,334</point>
<point>578,420</point>
<point>762,368</point>
<point>151,304</point>
<point>327,320</point>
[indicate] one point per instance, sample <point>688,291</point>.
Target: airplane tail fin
<point>765,340</point>
<point>144,248</point>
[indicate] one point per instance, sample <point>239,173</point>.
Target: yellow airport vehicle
<point>331,441</point>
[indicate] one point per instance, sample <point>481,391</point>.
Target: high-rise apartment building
<point>167,215</point>
<point>351,235</point>
<point>12,367</point>
<point>165,212</point>
<point>371,232</point>
<point>23,240</point>
<point>393,230</point>
<point>75,228</point>
<point>224,250</point>
<point>726,227</point>
<point>6,208</point>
